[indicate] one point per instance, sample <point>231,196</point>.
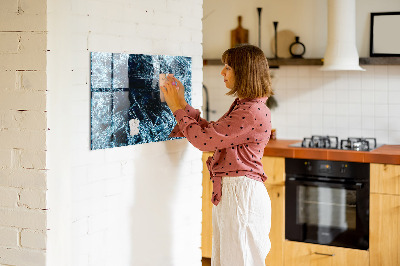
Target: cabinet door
<point>384,230</point>
<point>206,226</point>
<point>274,168</point>
<point>277,233</point>
<point>385,178</point>
<point>304,254</point>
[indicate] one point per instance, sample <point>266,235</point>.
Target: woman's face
<point>229,76</point>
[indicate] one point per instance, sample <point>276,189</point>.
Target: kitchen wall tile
<point>342,96</point>
<point>355,132</point>
<point>355,122</point>
<point>329,122</point>
<point>317,108</point>
<point>381,122</point>
<point>317,121</point>
<point>342,133</point>
<point>381,136</point>
<point>317,95</point>
<point>394,110</point>
<point>367,110</point>
<point>393,71</point>
<point>394,83</point>
<point>292,82</point>
<point>381,110</point>
<point>355,96</point>
<point>328,74</point>
<point>380,71</point>
<point>291,71</point>
<point>367,81</point>
<point>293,120</point>
<point>316,82</point>
<point>315,72</point>
<point>304,82</point>
<point>381,84</point>
<point>367,96</point>
<point>305,95</point>
<point>394,123</point>
<point>304,108</point>
<point>394,97</point>
<point>365,99</point>
<point>367,122</point>
<point>381,97</point>
<point>329,93</point>
<point>394,137</point>
<point>342,122</point>
<point>342,80</point>
<point>367,133</point>
<point>317,131</point>
<point>355,109</point>
<point>304,72</point>
<point>329,109</point>
<point>342,109</point>
<point>354,83</point>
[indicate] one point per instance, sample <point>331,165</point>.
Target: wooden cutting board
<point>239,35</point>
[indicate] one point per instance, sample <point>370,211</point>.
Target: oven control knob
<point>343,168</point>
<point>308,166</point>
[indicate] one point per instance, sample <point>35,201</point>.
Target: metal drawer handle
<point>324,254</point>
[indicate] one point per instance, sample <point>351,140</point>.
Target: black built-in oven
<point>327,202</point>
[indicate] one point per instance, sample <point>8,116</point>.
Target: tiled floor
<point>206,261</point>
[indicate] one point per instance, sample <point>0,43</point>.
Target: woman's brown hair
<point>250,66</point>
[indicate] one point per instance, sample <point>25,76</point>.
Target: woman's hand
<point>181,92</point>
<point>174,94</point>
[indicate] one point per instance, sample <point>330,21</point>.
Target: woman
<point>242,211</point>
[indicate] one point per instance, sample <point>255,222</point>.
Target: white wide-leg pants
<point>241,223</point>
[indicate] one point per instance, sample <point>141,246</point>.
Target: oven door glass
<point>324,207</point>
<point>327,214</point>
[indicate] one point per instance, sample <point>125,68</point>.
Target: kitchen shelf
<point>274,63</point>
<point>380,61</point>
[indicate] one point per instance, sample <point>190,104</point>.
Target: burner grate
<point>358,144</point>
<point>327,142</point>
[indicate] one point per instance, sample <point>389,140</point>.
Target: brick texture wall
<point>136,205</point>
<point>60,202</point>
<point>23,120</point>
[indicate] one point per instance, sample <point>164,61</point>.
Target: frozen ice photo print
<point>127,106</point>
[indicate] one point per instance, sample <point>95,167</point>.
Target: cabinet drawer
<point>304,254</point>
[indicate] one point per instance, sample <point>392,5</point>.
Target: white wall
<point>136,205</point>
<point>306,19</point>
<point>311,102</point>
<point>23,133</point>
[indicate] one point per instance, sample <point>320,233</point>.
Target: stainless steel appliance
<point>332,142</point>
<point>327,202</point>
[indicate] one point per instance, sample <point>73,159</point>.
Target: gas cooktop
<point>332,142</point>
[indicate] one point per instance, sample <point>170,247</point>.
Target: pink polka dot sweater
<point>238,139</point>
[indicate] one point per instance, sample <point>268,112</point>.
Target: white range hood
<point>341,51</point>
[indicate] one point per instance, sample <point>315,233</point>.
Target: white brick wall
<point>23,132</point>
<point>136,205</point>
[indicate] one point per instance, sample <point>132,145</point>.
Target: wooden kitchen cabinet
<point>385,178</point>
<point>274,168</point>
<point>384,236</point>
<point>385,215</point>
<point>277,233</point>
<point>305,254</point>
<point>206,225</point>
